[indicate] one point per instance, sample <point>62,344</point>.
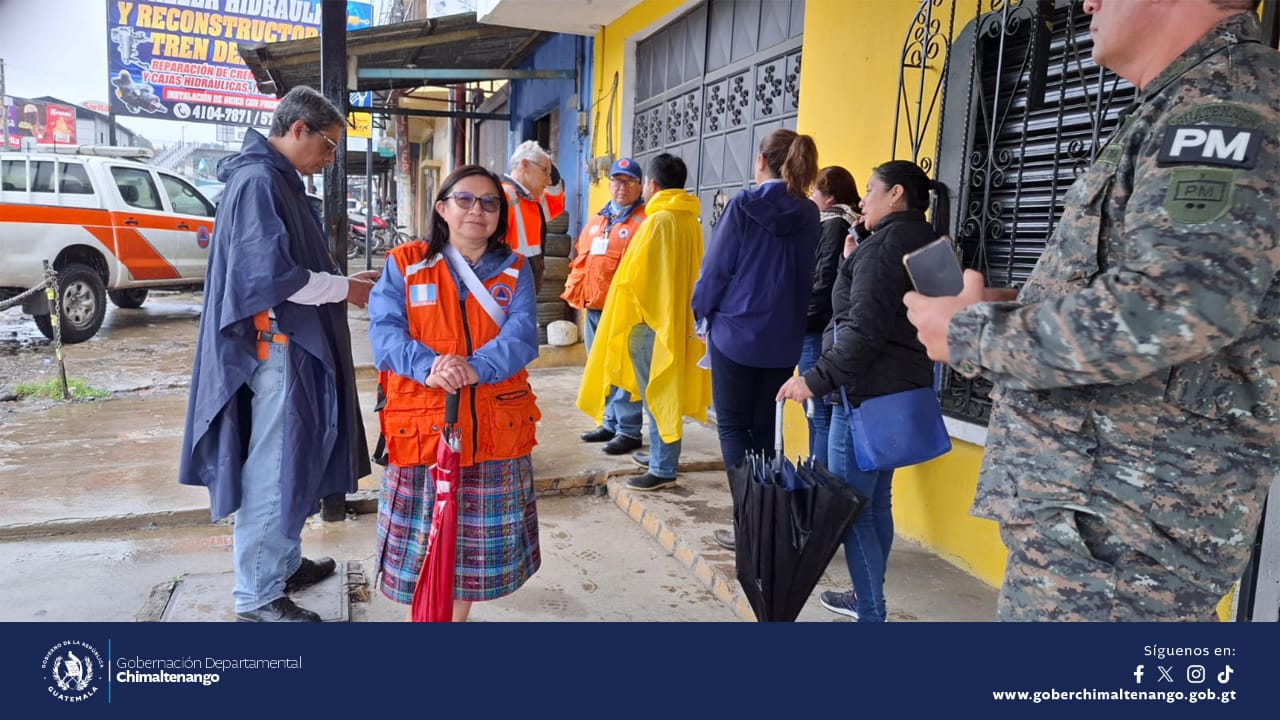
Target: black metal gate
<point>1023,110</point>
<point>712,84</point>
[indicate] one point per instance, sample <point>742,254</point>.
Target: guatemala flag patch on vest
<point>422,294</point>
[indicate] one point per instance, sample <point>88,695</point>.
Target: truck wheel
<point>128,299</point>
<point>83,299</point>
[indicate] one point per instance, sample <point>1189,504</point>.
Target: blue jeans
<point>622,415</point>
<point>866,546</point>
<point>820,420</point>
<point>746,411</point>
<point>265,556</point>
<point>663,457</point>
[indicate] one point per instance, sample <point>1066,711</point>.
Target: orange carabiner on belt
<point>262,323</point>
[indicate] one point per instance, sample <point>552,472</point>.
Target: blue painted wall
<point>533,99</point>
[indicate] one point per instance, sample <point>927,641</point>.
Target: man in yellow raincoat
<point>645,343</point>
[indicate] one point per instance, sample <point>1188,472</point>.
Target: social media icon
<point>1164,674</point>
<point>1225,676</point>
<point>1195,674</point>
<point>1137,674</point>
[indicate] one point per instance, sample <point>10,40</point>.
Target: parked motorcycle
<point>385,235</point>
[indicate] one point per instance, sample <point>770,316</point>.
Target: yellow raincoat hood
<point>653,285</point>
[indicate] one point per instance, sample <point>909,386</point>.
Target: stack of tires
<point>556,253</point>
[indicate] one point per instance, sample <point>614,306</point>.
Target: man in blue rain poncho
<point>273,422</point>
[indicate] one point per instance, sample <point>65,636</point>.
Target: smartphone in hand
<point>935,270</point>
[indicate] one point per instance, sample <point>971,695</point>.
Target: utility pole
<point>4,109</point>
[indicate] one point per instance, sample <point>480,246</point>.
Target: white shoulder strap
<point>477,289</point>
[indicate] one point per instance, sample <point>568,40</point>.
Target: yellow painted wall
<point>610,44</point>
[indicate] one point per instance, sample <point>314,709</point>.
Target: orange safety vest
<point>497,421</point>
<point>590,274</point>
<point>526,218</point>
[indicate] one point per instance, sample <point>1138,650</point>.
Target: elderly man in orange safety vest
<point>535,194</point>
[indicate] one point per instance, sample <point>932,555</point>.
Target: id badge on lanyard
<point>600,244</point>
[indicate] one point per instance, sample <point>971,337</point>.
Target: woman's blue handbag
<point>893,431</point>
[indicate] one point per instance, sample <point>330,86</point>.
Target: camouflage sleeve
<point>1199,255</point>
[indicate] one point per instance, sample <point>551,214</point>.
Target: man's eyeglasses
<point>624,180</point>
<point>544,168</point>
<point>488,203</point>
<point>333,146</point>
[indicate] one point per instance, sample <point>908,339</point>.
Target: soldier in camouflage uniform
<point>1134,431</point>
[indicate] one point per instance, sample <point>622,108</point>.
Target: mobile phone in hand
<point>935,270</point>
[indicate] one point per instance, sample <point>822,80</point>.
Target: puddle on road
<point>146,349</point>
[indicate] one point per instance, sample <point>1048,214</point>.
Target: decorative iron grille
<point>1024,110</point>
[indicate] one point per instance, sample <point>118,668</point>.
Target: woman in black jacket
<point>836,195</point>
<point>869,350</point>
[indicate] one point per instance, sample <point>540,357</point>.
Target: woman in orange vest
<point>432,334</point>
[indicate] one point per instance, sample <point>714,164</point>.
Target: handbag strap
<point>477,289</point>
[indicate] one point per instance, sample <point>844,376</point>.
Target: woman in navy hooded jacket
<point>753,291</point>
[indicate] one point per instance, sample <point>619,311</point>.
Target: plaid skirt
<point>497,529</point>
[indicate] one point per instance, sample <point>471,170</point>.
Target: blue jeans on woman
<point>820,420</point>
<point>622,415</point>
<point>866,545</point>
<point>664,458</point>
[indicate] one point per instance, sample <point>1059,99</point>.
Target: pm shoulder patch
<point>1199,195</point>
<point>1216,145</point>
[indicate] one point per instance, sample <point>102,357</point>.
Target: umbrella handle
<point>451,408</point>
<point>777,430</point>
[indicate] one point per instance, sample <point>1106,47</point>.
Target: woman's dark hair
<point>438,233</point>
<point>792,157</point>
<point>916,186</point>
<point>836,182</point>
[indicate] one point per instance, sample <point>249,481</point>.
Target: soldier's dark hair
<point>792,157</point>
<point>1237,5</point>
<point>667,171</point>
<point>303,103</point>
<point>834,181</point>
<point>438,233</point>
<point>916,186</point>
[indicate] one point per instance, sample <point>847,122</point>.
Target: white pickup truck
<point>110,226</point>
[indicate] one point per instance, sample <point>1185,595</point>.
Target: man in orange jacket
<point>599,250</point>
<point>535,194</point>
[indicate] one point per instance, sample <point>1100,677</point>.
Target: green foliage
<point>53,390</point>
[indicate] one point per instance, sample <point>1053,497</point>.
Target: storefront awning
<point>440,44</point>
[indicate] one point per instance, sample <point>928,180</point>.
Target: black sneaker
<point>649,481</point>
<point>841,603</point>
<point>600,434</point>
<point>641,459</point>
<point>622,444</point>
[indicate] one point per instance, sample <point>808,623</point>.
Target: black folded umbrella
<point>788,520</point>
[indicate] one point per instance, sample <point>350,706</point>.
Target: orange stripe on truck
<point>142,260</point>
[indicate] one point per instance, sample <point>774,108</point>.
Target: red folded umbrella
<point>433,595</point>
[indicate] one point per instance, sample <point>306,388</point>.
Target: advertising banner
<point>177,60</point>
<point>48,123</point>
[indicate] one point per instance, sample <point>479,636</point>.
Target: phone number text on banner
<point>178,59</point>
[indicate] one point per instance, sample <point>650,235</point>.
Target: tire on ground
<point>129,298</point>
<point>83,301</point>
<point>558,224</point>
<point>557,246</point>
<point>551,290</point>
<point>557,270</point>
<point>549,312</point>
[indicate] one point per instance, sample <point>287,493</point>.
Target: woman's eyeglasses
<point>488,203</point>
